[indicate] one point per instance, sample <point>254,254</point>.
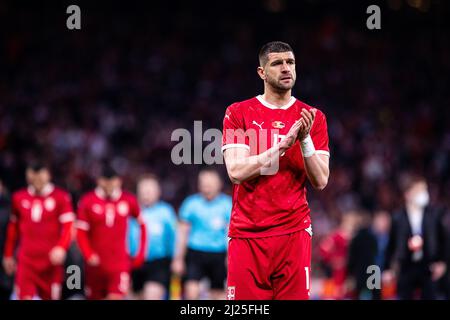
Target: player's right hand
<point>291,136</point>
<point>9,264</point>
<point>178,266</point>
<point>93,260</point>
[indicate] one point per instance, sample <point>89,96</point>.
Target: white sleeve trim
<point>83,225</point>
<point>235,145</point>
<point>323,152</point>
<point>67,217</point>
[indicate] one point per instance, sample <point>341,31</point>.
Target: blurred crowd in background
<point>116,90</point>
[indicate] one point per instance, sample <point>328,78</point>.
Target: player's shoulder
<point>191,199</point>
<point>127,195</point>
<point>165,205</point>
<point>59,191</point>
<point>243,105</point>
<point>19,194</point>
<point>89,196</point>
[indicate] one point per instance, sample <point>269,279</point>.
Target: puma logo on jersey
<point>227,116</point>
<point>257,124</point>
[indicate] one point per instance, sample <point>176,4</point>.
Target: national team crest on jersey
<point>122,208</point>
<point>49,204</point>
<point>278,124</point>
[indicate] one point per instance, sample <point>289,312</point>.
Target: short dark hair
<point>408,180</point>
<point>274,46</point>
<point>37,166</point>
<point>108,172</point>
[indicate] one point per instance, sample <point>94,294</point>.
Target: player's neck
<point>277,98</point>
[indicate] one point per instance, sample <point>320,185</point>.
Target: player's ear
<point>261,73</point>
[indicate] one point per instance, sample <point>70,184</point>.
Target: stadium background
<point>137,70</point>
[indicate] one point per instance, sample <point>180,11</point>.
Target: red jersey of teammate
<point>105,223</point>
<point>42,221</point>
<point>333,251</point>
<point>275,204</point>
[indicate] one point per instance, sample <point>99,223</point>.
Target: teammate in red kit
<point>41,220</point>
<point>272,144</point>
<point>101,234</point>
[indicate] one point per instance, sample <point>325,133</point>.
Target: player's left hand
<point>57,256</point>
<point>307,121</point>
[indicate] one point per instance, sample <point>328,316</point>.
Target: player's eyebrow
<point>278,61</point>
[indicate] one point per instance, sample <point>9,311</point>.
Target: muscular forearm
<point>317,171</point>
<point>241,169</point>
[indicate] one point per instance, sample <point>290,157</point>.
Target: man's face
<point>209,184</point>
<point>109,185</point>
<point>279,71</point>
<point>38,179</point>
<point>148,192</point>
<point>418,194</point>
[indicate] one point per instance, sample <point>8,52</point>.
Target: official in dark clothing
<point>6,282</point>
<point>362,254</point>
<point>416,251</point>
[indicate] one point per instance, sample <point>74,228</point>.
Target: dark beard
<point>279,87</point>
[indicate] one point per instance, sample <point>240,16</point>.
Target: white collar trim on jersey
<point>271,106</point>
<point>102,195</point>
<point>48,188</point>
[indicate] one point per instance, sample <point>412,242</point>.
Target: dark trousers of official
<point>416,276</point>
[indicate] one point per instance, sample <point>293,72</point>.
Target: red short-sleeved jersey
<point>106,220</point>
<point>39,219</point>
<point>273,203</point>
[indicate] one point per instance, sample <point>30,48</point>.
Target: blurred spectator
<point>381,225</point>
<point>362,254</point>
<point>6,282</point>
<point>152,280</point>
<point>333,254</point>
<point>416,253</point>
<point>202,237</point>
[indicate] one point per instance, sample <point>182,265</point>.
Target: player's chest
<point>264,128</point>
<point>269,125</point>
<point>37,210</point>
<point>109,214</point>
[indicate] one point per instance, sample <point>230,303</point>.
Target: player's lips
<point>286,78</point>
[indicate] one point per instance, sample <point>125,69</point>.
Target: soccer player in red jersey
<point>272,144</point>
<point>41,219</point>
<point>101,234</point>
